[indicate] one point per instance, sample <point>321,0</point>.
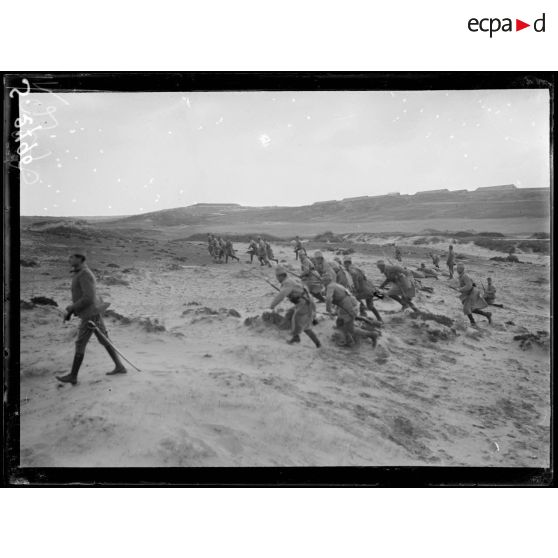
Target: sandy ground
<point>213,391</point>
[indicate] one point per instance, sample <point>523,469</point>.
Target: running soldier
<point>87,306</point>
<point>402,286</point>
<point>298,247</point>
<point>435,260</point>
<point>490,294</point>
<point>323,267</point>
<point>347,306</point>
<point>269,253</point>
<point>230,252</point>
<point>304,311</point>
<point>311,278</point>
<point>470,296</point>
<point>398,255</point>
<point>364,289</point>
<point>262,252</point>
<point>252,249</point>
<point>427,272</point>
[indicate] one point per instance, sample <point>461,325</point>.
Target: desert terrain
<point>219,385</point>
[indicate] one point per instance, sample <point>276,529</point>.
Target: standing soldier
<point>88,306</point>
<point>470,296</point>
<point>402,288</point>
<point>298,247</point>
<point>347,306</point>
<point>269,253</point>
<point>451,261</point>
<point>230,251</point>
<point>364,289</point>
<point>398,253</point>
<point>435,260</point>
<point>310,277</point>
<point>304,310</point>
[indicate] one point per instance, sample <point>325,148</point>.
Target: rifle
<point>270,283</point>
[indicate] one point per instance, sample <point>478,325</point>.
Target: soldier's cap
<point>77,251</point>
<point>348,259</point>
<point>380,263</point>
<point>489,278</point>
<point>337,259</point>
<point>318,254</point>
<point>460,266</point>
<point>280,270</point>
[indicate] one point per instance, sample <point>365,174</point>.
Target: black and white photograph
<point>288,276</point>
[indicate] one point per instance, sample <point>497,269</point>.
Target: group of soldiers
<point>344,288</point>
<point>348,293</point>
<point>220,248</point>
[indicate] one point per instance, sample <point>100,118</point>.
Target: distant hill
<point>498,202</point>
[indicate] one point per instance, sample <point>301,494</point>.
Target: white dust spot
<point>289,125</point>
<point>170,132</point>
<point>74,200</point>
<point>72,131</point>
<point>53,136</point>
<point>451,137</point>
<point>403,100</point>
<point>465,155</point>
<point>265,140</point>
<point>94,170</point>
<point>200,127</point>
<point>219,121</point>
<point>437,116</point>
<point>421,109</point>
<point>59,165</point>
<point>101,151</point>
<point>76,157</point>
<point>308,117</point>
<point>293,100</point>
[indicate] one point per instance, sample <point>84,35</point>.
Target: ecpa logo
<point>494,24</point>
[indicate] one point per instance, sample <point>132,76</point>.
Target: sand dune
<point>213,391</point>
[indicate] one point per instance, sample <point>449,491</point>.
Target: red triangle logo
<point>519,25</point>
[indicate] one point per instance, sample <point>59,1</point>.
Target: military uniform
<point>451,262</point>
<point>304,311</point>
<point>298,248</point>
<point>230,251</point>
<point>88,306</point>
<point>490,293</point>
<point>310,277</point>
<point>363,288</point>
<point>402,285</point>
<point>347,306</point>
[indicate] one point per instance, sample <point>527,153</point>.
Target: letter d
<point>535,25</point>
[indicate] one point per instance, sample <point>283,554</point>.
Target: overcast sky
<point>127,153</point>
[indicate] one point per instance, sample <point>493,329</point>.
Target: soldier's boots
<point>314,338</point>
<point>71,378</point>
<point>487,315</point>
<point>295,339</point>
<point>118,366</point>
